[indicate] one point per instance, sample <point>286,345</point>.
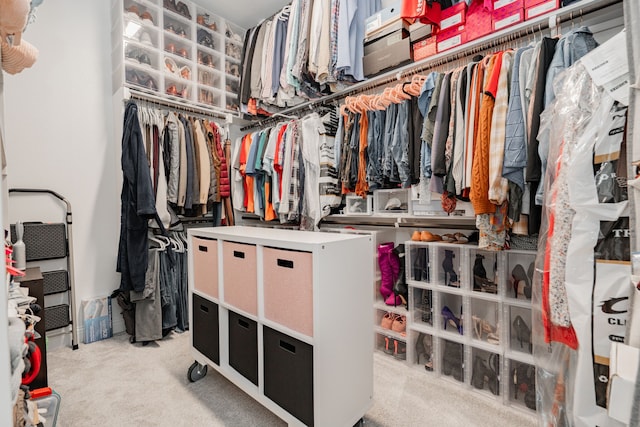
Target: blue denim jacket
<point>570,48</point>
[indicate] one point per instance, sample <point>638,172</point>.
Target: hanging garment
<point>137,205</point>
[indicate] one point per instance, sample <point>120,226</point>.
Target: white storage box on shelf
<point>391,201</point>
<point>356,205</point>
<point>269,309</point>
<point>180,54</point>
<point>465,324</point>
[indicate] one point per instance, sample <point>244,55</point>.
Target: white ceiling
<point>245,13</point>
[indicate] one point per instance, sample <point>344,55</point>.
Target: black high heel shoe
<point>523,332</point>
<point>452,360</point>
<point>483,372</point>
<point>450,276</point>
<point>524,380</point>
<point>521,282</point>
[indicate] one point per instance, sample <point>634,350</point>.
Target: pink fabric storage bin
<point>205,266</point>
<point>240,276</point>
<point>288,289</point>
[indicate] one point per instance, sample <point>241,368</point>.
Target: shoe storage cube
<point>483,266</point>
<point>423,354</point>
<point>205,328</point>
<point>422,306</point>
<point>519,274</point>
<point>205,266</point>
<point>445,267</point>
<point>240,276</point>
<point>418,262</point>
<point>356,205</point>
<point>485,371</point>
<point>485,321</point>
<point>243,346</point>
<point>522,384</point>
<point>520,322</point>
<point>288,374</point>
<point>452,359</point>
<point>391,202</point>
<point>451,312</point>
<point>288,289</point>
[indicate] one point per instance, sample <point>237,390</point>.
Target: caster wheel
<point>360,423</point>
<point>132,339</point>
<point>196,372</point>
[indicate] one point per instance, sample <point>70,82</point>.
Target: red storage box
<point>453,16</point>
<point>421,10</point>
<point>424,48</point>
<point>451,38</point>
<point>507,5</point>
<point>507,13</point>
<point>479,21</point>
<point>531,3</point>
<point>538,9</point>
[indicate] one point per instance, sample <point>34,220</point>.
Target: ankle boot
<point>386,271</point>
<point>450,276</point>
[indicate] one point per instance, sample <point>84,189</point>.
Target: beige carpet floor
<point>117,384</point>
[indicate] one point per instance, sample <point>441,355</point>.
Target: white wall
<point>60,136</point>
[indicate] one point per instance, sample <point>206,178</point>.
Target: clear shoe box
<point>521,385</point>
<point>391,201</point>
<point>485,371</point>
<point>520,322</point>
<point>356,205</point>
<point>418,262</point>
<point>485,325</point>
<point>518,274</point>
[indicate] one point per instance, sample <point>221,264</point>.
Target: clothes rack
<point>179,107</point>
<point>527,28</point>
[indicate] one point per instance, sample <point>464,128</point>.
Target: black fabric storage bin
<point>206,334</point>
<point>288,374</point>
<point>243,346</point>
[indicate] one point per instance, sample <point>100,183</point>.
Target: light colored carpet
<point>118,384</point>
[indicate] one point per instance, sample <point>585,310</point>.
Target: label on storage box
<point>543,8</point>
<point>374,23</point>
<point>502,3</point>
<point>451,21</point>
<point>449,43</point>
<point>513,19</point>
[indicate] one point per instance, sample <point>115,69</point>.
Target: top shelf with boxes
<point>176,50</point>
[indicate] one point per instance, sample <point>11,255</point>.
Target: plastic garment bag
<point>567,333</point>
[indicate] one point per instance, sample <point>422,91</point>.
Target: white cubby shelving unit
<point>191,57</point>
<point>476,330</point>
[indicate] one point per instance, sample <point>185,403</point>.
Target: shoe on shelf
<point>399,350</point>
<point>147,18</point>
<point>450,318</point>
<point>399,324</point>
<point>523,332</point>
<point>450,276</point>
<point>387,320</point>
<point>389,346</point>
<point>416,236</point>
<point>485,331</point>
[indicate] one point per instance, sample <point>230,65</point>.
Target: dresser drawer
<point>288,289</point>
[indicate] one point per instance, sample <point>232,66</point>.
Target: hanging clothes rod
<point>176,105</point>
<point>527,28</point>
